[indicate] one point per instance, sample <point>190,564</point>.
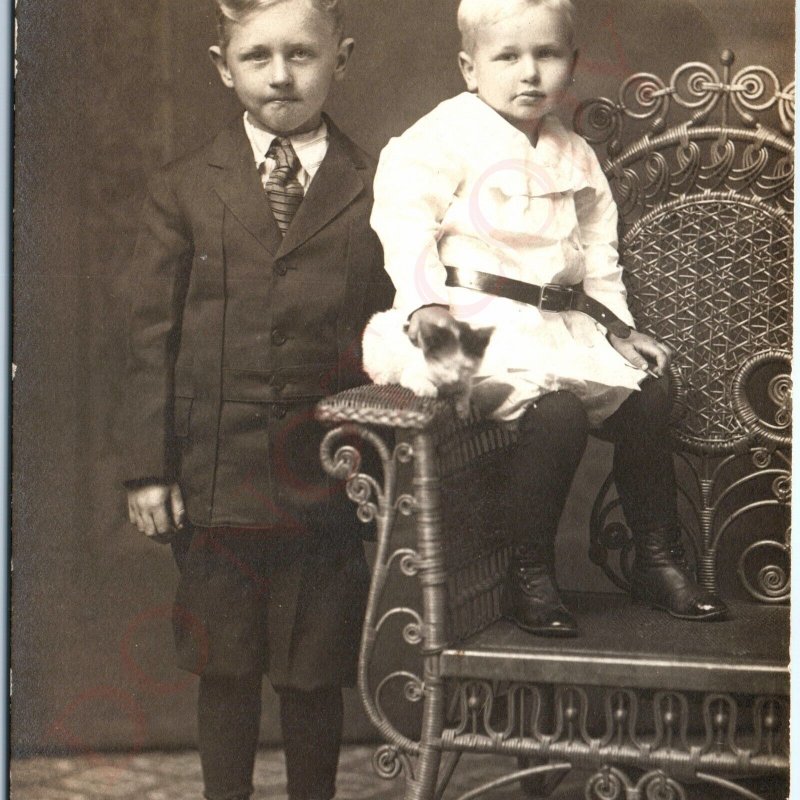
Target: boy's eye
<point>255,55</point>
<point>507,57</point>
<point>301,54</point>
<point>549,52</point>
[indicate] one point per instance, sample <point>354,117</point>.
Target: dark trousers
<point>552,438</point>
<point>229,711</point>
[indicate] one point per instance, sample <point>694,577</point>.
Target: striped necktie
<point>284,191</point>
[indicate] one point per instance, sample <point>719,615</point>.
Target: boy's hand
<point>430,315</point>
<point>157,510</point>
<point>641,350</point>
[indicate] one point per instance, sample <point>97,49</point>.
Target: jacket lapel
<point>337,183</point>
<point>238,185</point>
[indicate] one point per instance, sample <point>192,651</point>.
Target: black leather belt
<point>552,297</point>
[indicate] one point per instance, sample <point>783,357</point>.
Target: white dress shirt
<point>310,148</point>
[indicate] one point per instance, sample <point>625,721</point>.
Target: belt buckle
<point>554,297</point>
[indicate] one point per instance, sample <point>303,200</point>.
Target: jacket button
<point>280,268</point>
<point>279,411</point>
<point>278,337</point>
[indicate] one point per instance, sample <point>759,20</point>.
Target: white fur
<point>391,357</point>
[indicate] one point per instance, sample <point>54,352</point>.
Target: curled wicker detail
<point>772,580</point>
<point>695,86</point>
<point>387,763</point>
<point>607,784</point>
<point>779,391</point>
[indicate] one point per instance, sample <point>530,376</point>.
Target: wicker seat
<point>645,703</point>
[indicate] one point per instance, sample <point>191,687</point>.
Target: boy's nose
<point>530,70</point>
<point>279,74</point>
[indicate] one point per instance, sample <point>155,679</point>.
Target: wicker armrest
<point>390,406</point>
<point>457,479</point>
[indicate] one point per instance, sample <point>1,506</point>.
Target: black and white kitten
<point>441,364</point>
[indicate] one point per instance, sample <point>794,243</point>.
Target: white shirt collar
<point>564,155</point>
<point>310,147</point>
<point>553,137</point>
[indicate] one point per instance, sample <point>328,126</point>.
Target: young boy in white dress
<point>491,212</point>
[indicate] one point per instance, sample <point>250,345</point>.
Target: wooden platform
<point>748,652</point>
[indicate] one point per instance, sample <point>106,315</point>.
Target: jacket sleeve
<point>598,219</point>
<point>159,279</point>
<point>417,178</point>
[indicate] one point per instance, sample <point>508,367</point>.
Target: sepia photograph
<point>401,399</point>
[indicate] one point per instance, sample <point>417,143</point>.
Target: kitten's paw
<point>420,385</point>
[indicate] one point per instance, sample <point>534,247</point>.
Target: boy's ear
<point>221,63</point>
<point>342,57</point>
<point>467,67</point>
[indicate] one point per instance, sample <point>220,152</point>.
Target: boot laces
<point>536,582</point>
<point>659,547</point>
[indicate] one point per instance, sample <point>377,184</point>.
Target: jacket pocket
<point>182,415</point>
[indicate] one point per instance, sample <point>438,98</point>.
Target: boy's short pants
<point>251,601</point>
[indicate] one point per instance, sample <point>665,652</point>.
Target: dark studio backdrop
<point>106,91</point>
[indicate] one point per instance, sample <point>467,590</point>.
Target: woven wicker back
<point>706,239</point>
<point>710,275</point>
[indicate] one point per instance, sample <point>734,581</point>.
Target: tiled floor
<point>176,776</point>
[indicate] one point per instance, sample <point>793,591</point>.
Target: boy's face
<point>521,64</point>
<point>281,61</point>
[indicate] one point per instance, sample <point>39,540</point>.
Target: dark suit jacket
<point>235,332</point>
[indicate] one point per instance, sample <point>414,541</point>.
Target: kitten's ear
<point>413,339</point>
<point>474,341</point>
<point>434,339</point>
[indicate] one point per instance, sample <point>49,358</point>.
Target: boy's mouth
<point>532,95</point>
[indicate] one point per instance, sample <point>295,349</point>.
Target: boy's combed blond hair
<point>232,11</point>
<point>472,14</point>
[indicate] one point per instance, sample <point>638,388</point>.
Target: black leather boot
<point>530,596</point>
<point>660,578</point>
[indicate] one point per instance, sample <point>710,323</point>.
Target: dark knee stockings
<point>228,715</point>
<point>311,723</point>
<point>229,712</point>
<point>644,470</point>
<point>552,437</point>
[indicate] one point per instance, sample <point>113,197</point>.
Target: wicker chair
<point>644,703</point>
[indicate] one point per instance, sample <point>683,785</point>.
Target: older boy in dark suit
<point>255,271</point>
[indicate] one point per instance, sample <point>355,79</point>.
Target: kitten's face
<point>453,354</point>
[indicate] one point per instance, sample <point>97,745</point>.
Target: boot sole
<point>552,633</point>
<point>687,617</point>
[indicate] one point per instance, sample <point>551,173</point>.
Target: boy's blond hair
<point>232,11</point>
<point>472,14</point>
